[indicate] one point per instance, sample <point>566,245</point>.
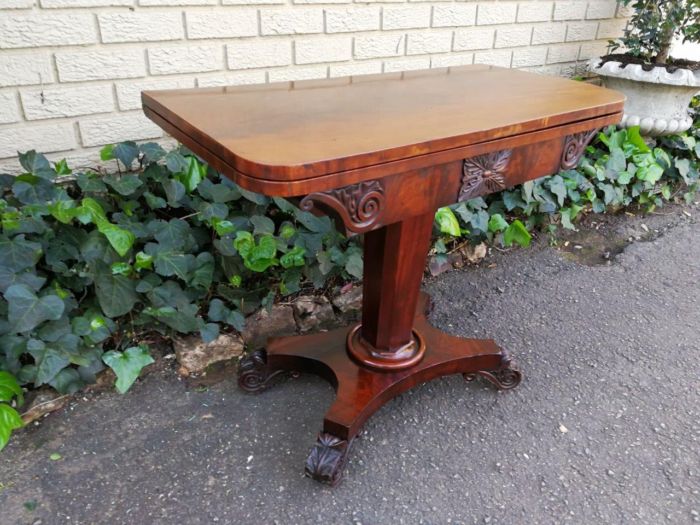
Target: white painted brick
<point>148,3</point>
<point>535,11</point>
<point>51,102</point>
<point>16,4</point>
<point>531,56</point>
<point>142,26</point>
<point>347,19</point>
<point>289,21</point>
<point>577,31</point>
<point>601,9</point>
<point>611,28</point>
<point>405,16</point>
<point>513,36</point>
<point>592,50</point>
<point>220,23</point>
<point>433,42</point>
<point>373,46</point>
<point>544,70</point>
<point>117,128</point>
<point>129,92</point>
<point>549,33</point>
<point>252,2</point>
<point>185,59</point>
<point>499,57</point>
<point>76,66</point>
<point>473,38</point>
<point>453,15</point>
<point>315,50</point>
<point>496,13</point>
<point>34,30</point>
<point>49,4</point>
<point>25,69</point>
<point>358,68</point>
<point>9,109</point>
<point>44,138</point>
<point>452,60</point>
<point>563,53</point>
<point>238,78</point>
<point>309,2</point>
<point>624,11</point>
<point>298,73</point>
<point>259,53</point>
<point>572,70</point>
<point>406,64</point>
<point>570,10</point>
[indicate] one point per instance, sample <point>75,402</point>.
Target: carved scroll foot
<point>253,373</point>
<point>505,378</point>
<point>327,459</point>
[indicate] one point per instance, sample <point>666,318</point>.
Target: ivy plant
<point>9,418</point>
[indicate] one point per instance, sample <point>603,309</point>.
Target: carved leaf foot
<point>327,459</point>
<point>505,378</point>
<point>253,373</point>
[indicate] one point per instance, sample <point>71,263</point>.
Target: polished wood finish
<point>299,130</point>
<point>361,391</point>
<point>380,154</point>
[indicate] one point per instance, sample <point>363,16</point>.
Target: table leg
<point>393,349</point>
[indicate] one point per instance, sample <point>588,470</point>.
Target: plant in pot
<point>658,87</point>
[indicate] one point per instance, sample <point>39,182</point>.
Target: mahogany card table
<point>380,154</point>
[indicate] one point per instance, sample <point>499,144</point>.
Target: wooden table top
<point>301,130</point>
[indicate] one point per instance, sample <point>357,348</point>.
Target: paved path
<point>604,429</point>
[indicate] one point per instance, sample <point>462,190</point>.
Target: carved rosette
<point>484,174</point>
<point>505,378</point>
<point>574,146</point>
<point>360,206</point>
<point>253,372</point>
<point>327,459</point>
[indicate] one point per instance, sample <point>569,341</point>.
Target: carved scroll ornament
<point>360,206</point>
<point>574,146</point>
<point>484,174</point>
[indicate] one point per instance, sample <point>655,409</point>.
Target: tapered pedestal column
<point>393,349</point>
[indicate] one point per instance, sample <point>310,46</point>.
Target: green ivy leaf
<point>557,186</point>
<point>262,225</point>
<point>36,164</point>
<point>107,152</point>
<point>9,388</point>
<point>497,223</point>
<point>126,152</point>
<point>354,265</point>
<point>18,253</point>
<point>193,174</point>
<point>49,361</point>
<point>115,293</point>
<point>124,184</point>
<point>447,222</point>
<point>26,310</point>
<point>169,263</point>
<point>9,421</point>
<point>516,232</point>
<point>143,261</point>
<point>209,332</point>
<point>121,240</point>
<point>294,257</point>
<point>634,137</point>
<point>127,365</point>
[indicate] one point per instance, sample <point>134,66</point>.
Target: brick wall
<point>71,71</point>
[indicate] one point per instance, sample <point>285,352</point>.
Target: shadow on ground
<point>604,428</point>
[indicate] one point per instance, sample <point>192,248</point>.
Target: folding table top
<point>296,131</point>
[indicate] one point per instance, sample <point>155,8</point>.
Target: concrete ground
<point>604,429</point>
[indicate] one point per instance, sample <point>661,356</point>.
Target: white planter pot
<point>657,101</point>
